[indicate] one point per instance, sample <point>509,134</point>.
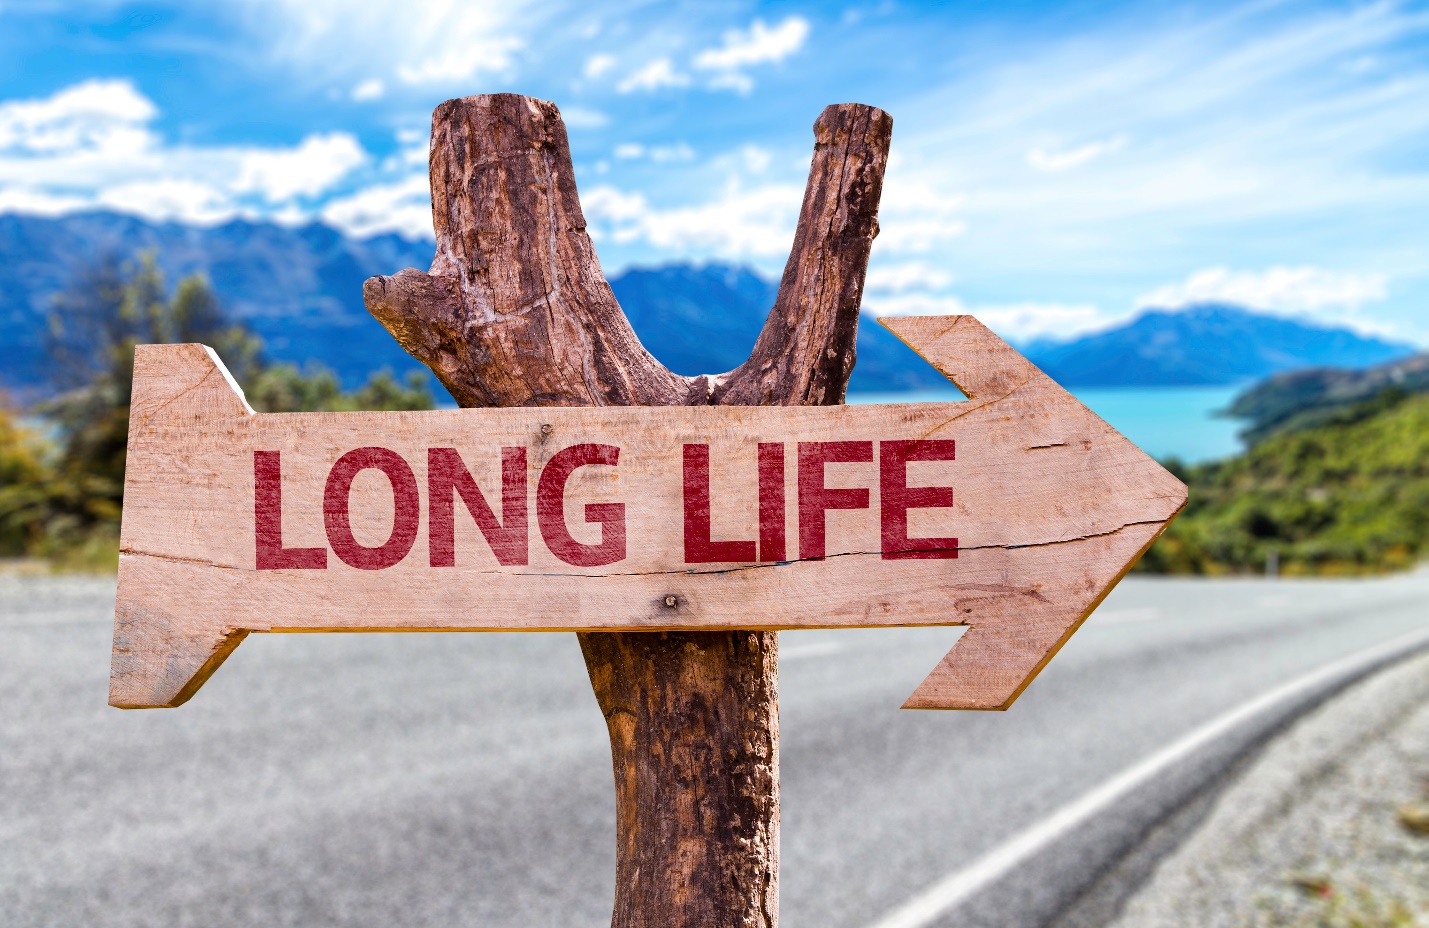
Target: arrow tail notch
<point>157,663</point>
<point>182,395</point>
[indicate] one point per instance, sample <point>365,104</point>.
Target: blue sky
<point>1055,166</point>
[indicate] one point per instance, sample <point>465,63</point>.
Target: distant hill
<point>1209,344</point>
<point>1303,399</point>
<point>301,290</point>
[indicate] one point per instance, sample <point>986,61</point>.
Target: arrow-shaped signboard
<point>1013,513</point>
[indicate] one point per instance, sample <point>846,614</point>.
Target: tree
<point>24,481</point>
<point>516,312</point>
<point>285,388</point>
<point>68,508</point>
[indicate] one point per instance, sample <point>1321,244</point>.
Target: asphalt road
<point>445,780</point>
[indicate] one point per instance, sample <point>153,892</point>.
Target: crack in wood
<point>691,571</point>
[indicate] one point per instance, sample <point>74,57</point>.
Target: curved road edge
<point>1036,874</point>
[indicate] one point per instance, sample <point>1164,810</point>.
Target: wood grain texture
<point>1050,507</point>
<point>805,353</point>
<point>515,312</point>
<point>688,774</point>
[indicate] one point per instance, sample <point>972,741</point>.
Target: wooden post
<point>516,312</point>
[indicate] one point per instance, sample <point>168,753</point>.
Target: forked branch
<point>516,312</point>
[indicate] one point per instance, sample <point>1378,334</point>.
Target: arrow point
<point>992,664</point>
<point>966,352</point>
<point>989,667</point>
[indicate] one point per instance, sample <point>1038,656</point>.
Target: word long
<point>508,535</point>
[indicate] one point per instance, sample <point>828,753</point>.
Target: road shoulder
<point>1307,832</point>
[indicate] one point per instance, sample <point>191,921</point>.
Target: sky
<point>1055,167</point>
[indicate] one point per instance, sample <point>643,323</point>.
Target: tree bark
<point>516,312</point>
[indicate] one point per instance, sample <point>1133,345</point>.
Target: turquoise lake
<point>1164,421</point>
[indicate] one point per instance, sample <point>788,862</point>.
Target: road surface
<point>434,780</point>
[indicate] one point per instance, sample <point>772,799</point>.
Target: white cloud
<point>915,288</point>
<point>744,223</point>
<point>41,203</point>
<point>756,160</point>
<point>1016,322</point>
<point>752,216</point>
<point>1052,161</point>
<point>905,277</point>
<point>759,44</point>
<point>1021,322</point>
<point>920,212</point>
<point>370,89</point>
<point>597,66</point>
<point>660,154</point>
<point>1276,289</point>
<point>419,42</point>
<point>610,208</point>
<point>579,117</point>
<point>737,81</point>
<point>404,207</point>
<point>415,148</point>
<point>169,198</point>
<point>1269,132</point>
<point>106,115</point>
<point>912,304</point>
<point>680,151</point>
<point>658,73</point>
<point>91,146</point>
<point>311,169</point>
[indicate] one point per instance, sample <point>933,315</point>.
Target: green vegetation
<point>1336,480</point>
<point>61,491</point>
<point>1344,490</point>
<point>25,495</point>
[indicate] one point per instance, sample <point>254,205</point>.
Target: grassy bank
<point>1348,495</point>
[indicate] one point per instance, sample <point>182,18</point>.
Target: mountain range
<point>301,290</point>
<point>1205,345</point>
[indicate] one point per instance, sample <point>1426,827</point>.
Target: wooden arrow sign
<point>1013,513</point>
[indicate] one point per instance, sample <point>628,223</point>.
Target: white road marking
<point>956,888</point>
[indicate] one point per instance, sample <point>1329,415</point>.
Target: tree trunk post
<point>516,312</point>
